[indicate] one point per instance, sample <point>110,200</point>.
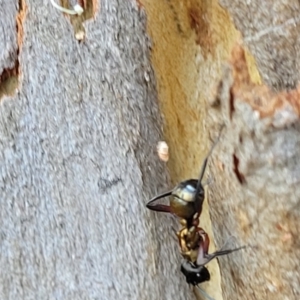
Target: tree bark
<point>271,31</point>
<point>255,162</point>
<point>79,123</point>
<point>256,175</point>
<point>78,161</point>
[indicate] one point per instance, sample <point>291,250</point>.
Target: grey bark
<point>271,31</point>
<point>78,163</point>
<point>255,191</point>
<point>8,38</point>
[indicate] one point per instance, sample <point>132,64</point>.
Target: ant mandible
<point>186,203</point>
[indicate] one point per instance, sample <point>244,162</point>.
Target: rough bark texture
<point>191,41</point>
<point>78,161</point>
<point>254,194</point>
<point>77,147</point>
<point>8,38</point>
<point>255,190</point>
<point>271,31</point>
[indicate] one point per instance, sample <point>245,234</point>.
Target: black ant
<point>186,203</point>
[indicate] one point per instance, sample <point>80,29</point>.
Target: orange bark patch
<point>9,78</point>
<point>20,20</point>
<point>261,98</point>
<point>200,22</point>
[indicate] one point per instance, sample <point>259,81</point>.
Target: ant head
<point>185,203</point>
<point>187,196</point>
<point>194,275</point>
<point>186,190</point>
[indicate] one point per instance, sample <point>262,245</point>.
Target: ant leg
<point>222,250</point>
<point>203,256</point>
<point>204,294</point>
<point>203,248</point>
<point>209,257</point>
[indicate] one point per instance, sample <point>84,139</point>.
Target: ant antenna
<point>199,185</point>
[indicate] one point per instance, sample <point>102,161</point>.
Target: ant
<point>186,203</point>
